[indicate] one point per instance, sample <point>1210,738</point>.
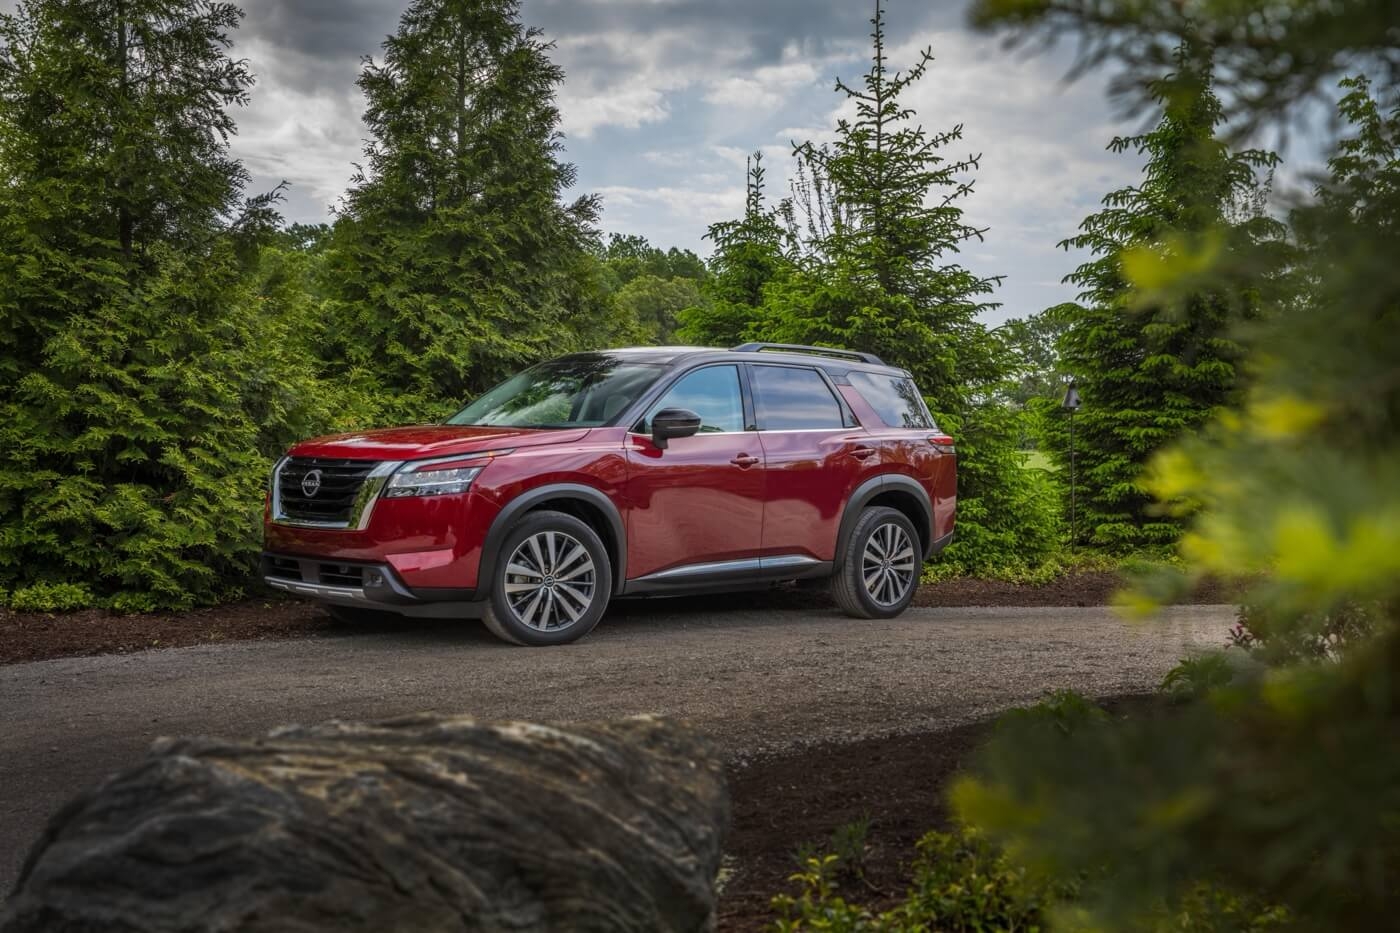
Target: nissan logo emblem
<point>311,483</point>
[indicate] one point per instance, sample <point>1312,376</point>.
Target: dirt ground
<point>898,784</point>
<point>36,636</point>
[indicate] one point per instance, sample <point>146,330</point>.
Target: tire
<point>878,532</point>
<point>353,615</point>
<point>544,597</point>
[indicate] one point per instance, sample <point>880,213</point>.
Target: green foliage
<point>1194,677</point>
<point>51,597</point>
<point>629,257</point>
<point>749,254</point>
<point>876,219</point>
<point>1150,372</point>
<point>454,261</point>
<point>1008,516</point>
<point>1034,343</point>
<point>656,303</point>
<point>143,390</point>
<point>1326,634</point>
<point>960,883</point>
<point>1288,787</point>
<point>1063,712</point>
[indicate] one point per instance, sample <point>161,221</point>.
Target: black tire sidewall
<point>870,520</point>
<point>532,524</point>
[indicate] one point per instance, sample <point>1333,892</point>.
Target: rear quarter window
<point>895,399</point>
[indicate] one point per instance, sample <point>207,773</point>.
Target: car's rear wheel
<point>879,568</point>
<point>551,582</point>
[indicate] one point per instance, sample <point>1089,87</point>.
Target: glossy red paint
<point>431,440</point>
<point>692,503</point>
<point>705,498</point>
<point>810,477</point>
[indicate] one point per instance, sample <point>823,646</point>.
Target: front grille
<point>334,501</point>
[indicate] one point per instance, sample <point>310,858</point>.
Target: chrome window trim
<point>360,511</point>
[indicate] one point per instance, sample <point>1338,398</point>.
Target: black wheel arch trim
<point>889,482</point>
<point>527,501</point>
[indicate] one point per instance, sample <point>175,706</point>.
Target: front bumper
<point>362,584</point>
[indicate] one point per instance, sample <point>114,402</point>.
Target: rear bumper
<point>361,584</point>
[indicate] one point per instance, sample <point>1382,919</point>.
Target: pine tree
<point>876,222</point>
<point>141,388</point>
<point>1147,372</point>
<point>877,215</point>
<point>749,253</point>
<point>454,261</point>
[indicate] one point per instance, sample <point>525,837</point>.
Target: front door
<point>699,500</point>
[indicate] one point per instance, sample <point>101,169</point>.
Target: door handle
<point>745,461</point>
<point>860,453</point>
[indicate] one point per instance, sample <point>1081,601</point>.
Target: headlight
<point>430,482</point>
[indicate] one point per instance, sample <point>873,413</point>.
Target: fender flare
<point>887,482</point>
<point>506,519</point>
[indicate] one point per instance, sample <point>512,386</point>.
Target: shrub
<point>1064,710</point>
<point>1311,636</point>
<point>50,597</point>
<point>1196,676</point>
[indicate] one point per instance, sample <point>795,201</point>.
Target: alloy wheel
<point>888,566</point>
<point>550,581</point>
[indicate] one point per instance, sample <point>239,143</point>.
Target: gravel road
<point>759,681</point>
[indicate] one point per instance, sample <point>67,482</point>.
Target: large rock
<point>422,823</point>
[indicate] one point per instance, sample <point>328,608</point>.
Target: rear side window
<point>794,399</point>
<point>894,398</point>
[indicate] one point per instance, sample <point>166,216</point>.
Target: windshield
<point>569,393</point>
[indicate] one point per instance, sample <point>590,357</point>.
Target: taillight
<point>940,440</point>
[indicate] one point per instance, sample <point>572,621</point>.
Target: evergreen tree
<point>454,261</point>
<point>1283,787</point>
<point>1147,372</point>
<point>749,254</point>
<point>628,256</point>
<point>877,215</point>
<point>875,221</point>
<point>142,389</point>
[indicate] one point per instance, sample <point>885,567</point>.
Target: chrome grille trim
<point>360,509</point>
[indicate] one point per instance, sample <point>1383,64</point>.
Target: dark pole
<point>1071,405</point>
<point>1073,536</point>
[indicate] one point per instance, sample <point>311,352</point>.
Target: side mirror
<point>673,422</point>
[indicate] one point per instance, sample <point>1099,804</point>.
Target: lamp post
<point>1071,404</point>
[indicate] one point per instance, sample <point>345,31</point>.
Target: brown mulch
<point>1082,588</point>
<point>898,784</point>
<point>36,636</point>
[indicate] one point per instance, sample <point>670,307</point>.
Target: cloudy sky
<point>664,99</point>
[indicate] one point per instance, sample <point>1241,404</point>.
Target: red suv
<point>653,471</point>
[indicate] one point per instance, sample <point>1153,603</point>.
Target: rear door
<point>815,455</point>
<point>700,500</point>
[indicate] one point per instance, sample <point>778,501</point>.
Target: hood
<point>430,440</point>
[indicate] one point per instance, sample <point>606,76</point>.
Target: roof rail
<point>802,348</point>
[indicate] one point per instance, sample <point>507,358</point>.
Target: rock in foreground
<point>422,823</point>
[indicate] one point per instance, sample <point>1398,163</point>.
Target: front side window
<point>712,393</point>
<point>583,392</point>
<point>894,399</point>
<point>790,398</point>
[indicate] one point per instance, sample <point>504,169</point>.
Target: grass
<point>1038,460</point>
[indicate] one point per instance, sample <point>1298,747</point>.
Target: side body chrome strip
<point>750,566</point>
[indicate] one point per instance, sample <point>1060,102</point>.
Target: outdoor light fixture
<point>1071,404</point>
